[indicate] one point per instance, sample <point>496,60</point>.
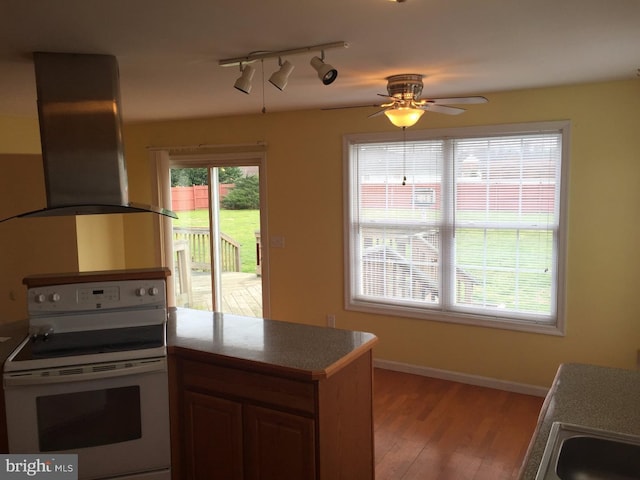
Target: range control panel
<point>82,297</point>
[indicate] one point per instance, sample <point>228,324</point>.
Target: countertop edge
<point>48,279</point>
<point>17,331</point>
<point>272,368</point>
<point>346,359</point>
<point>538,433</point>
<point>283,348</point>
<point>612,406</point>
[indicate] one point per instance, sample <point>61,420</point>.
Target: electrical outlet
<point>331,320</point>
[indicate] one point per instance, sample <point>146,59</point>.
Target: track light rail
<point>252,57</point>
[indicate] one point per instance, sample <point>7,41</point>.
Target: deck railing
<point>401,264</point>
<point>197,239</point>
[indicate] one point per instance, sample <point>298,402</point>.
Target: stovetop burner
<point>92,342</point>
<point>24,360</point>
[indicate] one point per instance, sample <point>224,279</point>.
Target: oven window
<point>87,419</point>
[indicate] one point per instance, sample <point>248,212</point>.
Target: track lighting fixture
<point>326,72</point>
<point>280,78</point>
<point>243,83</point>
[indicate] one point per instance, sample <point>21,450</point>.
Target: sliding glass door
<point>216,240</point>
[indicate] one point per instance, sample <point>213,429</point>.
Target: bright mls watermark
<point>54,467</point>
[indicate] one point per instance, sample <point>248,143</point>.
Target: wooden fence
<point>195,196</point>
<point>198,244</point>
<point>535,197</point>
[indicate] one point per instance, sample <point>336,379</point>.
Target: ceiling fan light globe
<point>404,117</point>
<point>243,83</point>
<point>326,73</point>
<point>280,78</point>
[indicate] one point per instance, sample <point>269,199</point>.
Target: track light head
<point>243,83</point>
<point>326,72</point>
<point>280,78</point>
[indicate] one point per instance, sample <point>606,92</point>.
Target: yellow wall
<point>100,242</point>
<point>304,178</point>
<point>304,189</point>
<point>43,245</point>
<point>27,246</point>
<point>19,135</point>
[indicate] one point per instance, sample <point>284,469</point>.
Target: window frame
<point>391,308</point>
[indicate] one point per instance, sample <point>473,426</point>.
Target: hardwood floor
<point>427,429</point>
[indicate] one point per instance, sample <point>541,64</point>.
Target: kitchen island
<point>254,398</point>
<point>590,396</point>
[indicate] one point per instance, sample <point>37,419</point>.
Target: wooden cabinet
<point>213,437</point>
<point>233,422</point>
<point>279,445</point>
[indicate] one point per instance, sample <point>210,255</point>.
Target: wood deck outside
<point>241,293</point>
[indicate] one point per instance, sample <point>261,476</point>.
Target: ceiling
<point>168,50</point>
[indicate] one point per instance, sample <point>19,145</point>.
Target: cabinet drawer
<point>277,391</point>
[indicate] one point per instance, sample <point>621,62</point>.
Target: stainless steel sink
<point>575,452</point>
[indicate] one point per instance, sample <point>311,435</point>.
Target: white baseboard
<point>462,378</point>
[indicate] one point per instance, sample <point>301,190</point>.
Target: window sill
<point>554,329</point>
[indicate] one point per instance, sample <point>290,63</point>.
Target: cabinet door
<point>213,443</point>
<point>279,446</point>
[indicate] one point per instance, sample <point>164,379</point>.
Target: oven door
<point>115,416</point>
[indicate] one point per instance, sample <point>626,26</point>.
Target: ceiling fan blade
<point>457,100</point>
<point>351,106</point>
<point>431,107</point>
<point>380,112</point>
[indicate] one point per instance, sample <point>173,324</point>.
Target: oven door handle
<point>85,373</point>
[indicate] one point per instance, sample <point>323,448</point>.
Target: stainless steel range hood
<point>81,135</point>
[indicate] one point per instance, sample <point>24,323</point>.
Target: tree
<point>229,174</point>
<point>186,177</point>
<point>244,196</point>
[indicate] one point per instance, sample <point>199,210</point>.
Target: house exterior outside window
<point>462,225</point>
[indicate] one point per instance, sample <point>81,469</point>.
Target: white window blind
<point>457,227</point>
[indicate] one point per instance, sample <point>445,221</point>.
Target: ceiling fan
<point>405,107</point>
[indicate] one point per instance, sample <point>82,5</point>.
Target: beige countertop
<point>303,351</point>
<point>11,335</point>
<point>587,395</point>
<point>298,350</point>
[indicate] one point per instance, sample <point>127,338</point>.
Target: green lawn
<point>240,225</point>
<point>492,257</point>
<point>530,250</point>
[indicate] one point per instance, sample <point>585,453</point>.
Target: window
<point>462,225</point>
